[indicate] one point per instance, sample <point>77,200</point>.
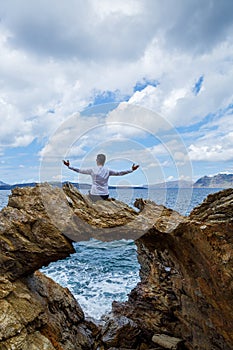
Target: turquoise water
<point>100,272</point>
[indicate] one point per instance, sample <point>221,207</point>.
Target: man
<point>100,175</point>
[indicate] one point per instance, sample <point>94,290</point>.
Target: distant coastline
<point>216,181</point>
<point>4,186</point>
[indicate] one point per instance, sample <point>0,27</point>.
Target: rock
<point>40,313</point>
<point>121,349</point>
<point>166,341</point>
<point>44,209</point>
<point>120,331</point>
<point>35,312</point>
<point>216,208</point>
<point>28,237</point>
<point>186,288</point>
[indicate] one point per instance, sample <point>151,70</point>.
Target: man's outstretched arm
<point>78,170</point>
<point>123,172</point>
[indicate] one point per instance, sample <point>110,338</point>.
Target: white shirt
<point>100,176</point>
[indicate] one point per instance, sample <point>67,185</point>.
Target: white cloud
<point>215,140</point>
<point>210,153</point>
<point>83,30</point>
<point>66,85</point>
<point>178,71</point>
<point>104,8</point>
<point>142,119</point>
<point>55,58</point>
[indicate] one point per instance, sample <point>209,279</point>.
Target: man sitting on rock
<point>100,175</point>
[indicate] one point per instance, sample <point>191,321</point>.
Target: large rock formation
<point>184,299</point>
<point>186,287</point>
<point>35,312</point>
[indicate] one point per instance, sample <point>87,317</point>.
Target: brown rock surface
<point>35,312</point>
<point>186,288</point>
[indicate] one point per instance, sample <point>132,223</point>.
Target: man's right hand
<point>66,162</point>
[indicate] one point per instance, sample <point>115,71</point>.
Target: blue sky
<point>142,81</point>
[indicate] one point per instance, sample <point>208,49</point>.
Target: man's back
<point>100,176</point>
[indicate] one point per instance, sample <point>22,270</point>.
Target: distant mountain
<point>172,184</point>
<point>169,184</point>
<point>3,185</point>
<point>216,181</point>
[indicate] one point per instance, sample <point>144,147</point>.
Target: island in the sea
<point>216,181</point>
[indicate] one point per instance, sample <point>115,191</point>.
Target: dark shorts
<point>96,198</point>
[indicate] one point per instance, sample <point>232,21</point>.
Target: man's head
<point>100,159</point>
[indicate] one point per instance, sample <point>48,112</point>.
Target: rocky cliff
<point>186,287</point>
<point>184,299</point>
<point>35,312</point>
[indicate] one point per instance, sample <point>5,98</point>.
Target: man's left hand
<point>135,167</point>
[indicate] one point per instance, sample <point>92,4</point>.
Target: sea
<point>100,272</point>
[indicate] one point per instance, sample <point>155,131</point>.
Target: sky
<point>143,81</point>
